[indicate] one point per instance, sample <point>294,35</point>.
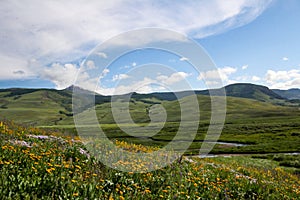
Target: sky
<point>54,44</point>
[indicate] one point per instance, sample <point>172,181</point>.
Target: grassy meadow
<point>42,156</point>
<point>59,167</point>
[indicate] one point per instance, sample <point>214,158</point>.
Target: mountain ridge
<point>243,90</point>
<point>51,107</point>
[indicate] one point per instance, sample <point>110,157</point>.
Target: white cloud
<point>244,67</point>
<point>90,64</point>
<point>102,54</point>
<point>104,73</point>
<point>145,85</point>
<point>183,59</point>
<point>118,77</point>
<point>10,65</point>
<point>285,58</point>
<point>142,86</point>
<point>173,78</point>
<point>283,79</point>
<point>133,64</point>
<point>220,73</point>
<point>63,31</point>
<point>62,75</point>
<point>255,78</point>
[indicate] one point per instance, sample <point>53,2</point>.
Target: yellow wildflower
<point>147,191</point>
<point>75,194</point>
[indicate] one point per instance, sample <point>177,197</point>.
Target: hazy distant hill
<point>243,90</point>
<point>289,94</point>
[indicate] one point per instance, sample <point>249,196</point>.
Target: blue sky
<point>44,43</point>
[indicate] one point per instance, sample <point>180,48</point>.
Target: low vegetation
<point>38,164</point>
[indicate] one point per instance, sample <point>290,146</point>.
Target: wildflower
<point>73,181</point>
<point>7,163</point>
<point>165,191</point>
<point>50,170</point>
<point>122,198</point>
<point>147,191</point>
<point>75,194</point>
<point>77,166</point>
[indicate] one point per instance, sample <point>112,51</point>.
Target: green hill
<point>252,91</point>
<point>243,90</point>
<point>35,106</point>
<point>51,107</point>
<point>267,127</point>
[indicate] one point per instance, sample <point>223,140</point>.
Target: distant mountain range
<point>289,94</point>
<point>242,90</point>
<point>50,106</point>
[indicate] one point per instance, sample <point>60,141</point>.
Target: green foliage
<point>56,168</point>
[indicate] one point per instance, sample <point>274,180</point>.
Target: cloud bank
<point>54,33</point>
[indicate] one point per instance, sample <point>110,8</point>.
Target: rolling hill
<point>242,90</point>
<point>51,107</point>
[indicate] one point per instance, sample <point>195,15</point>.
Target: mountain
<point>50,106</point>
<point>289,94</point>
<point>243,90</point>
<point>252,91</point>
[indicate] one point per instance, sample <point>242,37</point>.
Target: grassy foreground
<point>57,167</point>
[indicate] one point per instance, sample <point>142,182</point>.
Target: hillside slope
<point>35,106</point>
<point>51,107</point>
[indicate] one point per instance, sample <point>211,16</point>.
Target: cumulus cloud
<point>173,78</point>
<point>145,84</point>
<point>285,58</point>
<point>54,32</point>
<point>283,79</point>
<point>102,54</point>
<point>141,86</point>
<point>118,77</point>
<point>244,67</point>
<point>183,59</point>
<point>255,78</point>
<point>90,64</point>
<point>62,75</point>
<point>213,76</point>
<point>105,71</point>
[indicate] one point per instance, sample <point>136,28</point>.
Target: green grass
<point>55,169</point>
<point>41,107</point>
<point>265,127</point>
